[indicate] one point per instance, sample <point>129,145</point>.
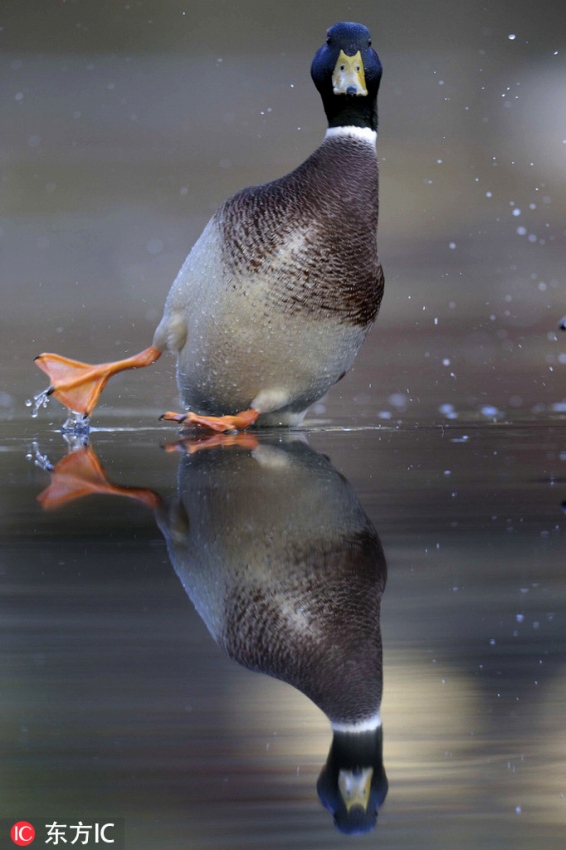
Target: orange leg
<point>215,423</point>
<point>78,385</point>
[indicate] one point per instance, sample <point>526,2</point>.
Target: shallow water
<point>117,702</point>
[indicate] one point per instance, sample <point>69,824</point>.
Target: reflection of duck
<point>281,562</point>
<point>277,295</point>
<point>287,571</point>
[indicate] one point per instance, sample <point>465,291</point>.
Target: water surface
<point>117,701</point>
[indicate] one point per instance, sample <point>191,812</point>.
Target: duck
<point>277,295</point>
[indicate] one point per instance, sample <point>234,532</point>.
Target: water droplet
<point>489,410</point>
<point>398,400</point>
<point>39,401</point>
<point>448,411</point>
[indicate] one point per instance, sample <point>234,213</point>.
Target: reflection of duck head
<point>287,572</point>
<point>353,784</point>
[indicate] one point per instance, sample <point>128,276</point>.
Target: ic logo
<point>22,833</point>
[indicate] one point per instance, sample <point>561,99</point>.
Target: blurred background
<point>125,124</point>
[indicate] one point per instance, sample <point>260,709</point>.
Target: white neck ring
<point>363,133</point>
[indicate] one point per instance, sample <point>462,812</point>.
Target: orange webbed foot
<point>78,385</point>
<point>81,474</point>
<point>220,424</point>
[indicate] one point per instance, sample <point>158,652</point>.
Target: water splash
<point>38,401</point>
<point>40,460</point>
<point>76,423</point>
<point>76,440</point>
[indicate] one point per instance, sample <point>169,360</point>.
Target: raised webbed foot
<point>78,385</point>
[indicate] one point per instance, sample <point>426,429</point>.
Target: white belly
<point>235,352</point>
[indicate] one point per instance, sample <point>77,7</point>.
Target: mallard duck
<point>280,290</point>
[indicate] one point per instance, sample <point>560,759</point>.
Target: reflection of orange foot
<point>78,385</point>
<point>214,423</point>
<point>196,444</point>
<point>81,474</point>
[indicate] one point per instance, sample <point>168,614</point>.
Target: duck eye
<point>342,67</point>
<point>328,40</point>
<point>369,42</point>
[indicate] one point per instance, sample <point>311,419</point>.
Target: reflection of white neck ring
<point>363,726</point>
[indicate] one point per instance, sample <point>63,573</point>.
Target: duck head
<point>347,72</point>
